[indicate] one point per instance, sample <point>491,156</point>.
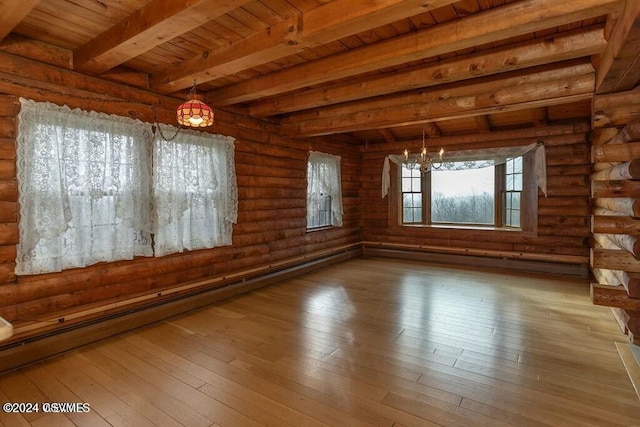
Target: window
<point>89,190</point>
<point>83,187</point>
<point>463,196</point>
<point>489,188</point>
<point>320,213</point>
<point>324,191</point>
<point>513,192</point>
<point>412,187</point>
<point>194,185</point>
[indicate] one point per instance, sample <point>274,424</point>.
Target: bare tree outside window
<point>463,196</point>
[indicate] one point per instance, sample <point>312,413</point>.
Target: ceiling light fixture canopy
<point>194,112</point>
<point>423,161</point>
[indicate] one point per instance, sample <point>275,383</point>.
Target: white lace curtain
<point>91,190</point>
<point>81,192</point>
<point>195,191</point>
<point>474,159</point>
<point>324,179</point>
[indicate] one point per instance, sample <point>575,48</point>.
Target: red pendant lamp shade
<point>194,112</point>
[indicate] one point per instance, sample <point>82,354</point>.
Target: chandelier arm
<point>423,161</point>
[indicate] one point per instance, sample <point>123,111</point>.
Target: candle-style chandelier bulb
<point>423,161</point>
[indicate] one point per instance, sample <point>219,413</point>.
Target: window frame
<point>215,183</point>
<point>322,215</point>
<point>429,212</point>
<point>331,187</point>
<point>528,202</point>
<point>507,192</point>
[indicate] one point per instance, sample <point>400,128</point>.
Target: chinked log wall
<point>271,229</point>
<point>615,188</point>
<point>563,217</point>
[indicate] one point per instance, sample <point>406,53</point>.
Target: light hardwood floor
<point>365,342</point>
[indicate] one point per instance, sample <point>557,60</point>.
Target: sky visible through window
<point>463,182</point>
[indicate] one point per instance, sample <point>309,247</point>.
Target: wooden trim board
<point>630,355</point>
<point>528,265</point>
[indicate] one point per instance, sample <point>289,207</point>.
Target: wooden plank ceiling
<point>375,71</point>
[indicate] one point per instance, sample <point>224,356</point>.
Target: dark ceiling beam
<point>432,130</point>
<point>156,23</point>
<point>14,11</point>
<point>387,134</point>
<point>556,48</point>
<point>484,125</point>
<point>324,24</point>
<point>511,20</point>
<point>459,90</point>
<point>619,67</point>
<point>540,117</point>
<point>269,44</point>
<point>548,86</point>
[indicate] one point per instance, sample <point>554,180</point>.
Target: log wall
<point>615,189</point>
<point>271,229</point>
<point>563,217</point>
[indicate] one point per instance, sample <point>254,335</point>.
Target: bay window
<point>485,189</point>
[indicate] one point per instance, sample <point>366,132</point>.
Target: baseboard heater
<point>38,346</point>
<point>563,265</point>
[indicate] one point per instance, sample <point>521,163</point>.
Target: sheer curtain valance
<point>94,187</point>
<point>473,159</point>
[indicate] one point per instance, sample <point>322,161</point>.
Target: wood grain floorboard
<point>365,342</point>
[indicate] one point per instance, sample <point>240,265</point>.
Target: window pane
<point>407,215</point>
<point>512,209</point>
<point>406,185</point>
<point>513,174</point>
<point>407,200</point>
<point>417,200</point>
<point>415,183</point>
<point>409,173</point>
<point>515,197</point>
<point>412,215</point>
<point>509,183</point>
<point>463,196</point>
<point>515,218</point>
<point>517,165</point>
<point>517,182</point>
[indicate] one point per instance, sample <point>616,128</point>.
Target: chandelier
<point>423,161</point>
<point>194,112</point>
